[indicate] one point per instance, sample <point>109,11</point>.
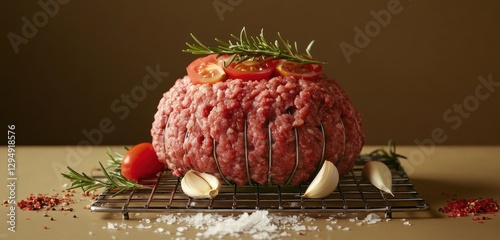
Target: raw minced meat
<point>193,119</point>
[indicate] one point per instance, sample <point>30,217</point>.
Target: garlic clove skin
<point>324,183</point>
<point>379,175</point>
<point>200,185</point>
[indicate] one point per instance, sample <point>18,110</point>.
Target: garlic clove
<point>324,183</point>
<point>200,185</point>
<point>379,175</point>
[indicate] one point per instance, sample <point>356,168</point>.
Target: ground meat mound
<point>274,131</point>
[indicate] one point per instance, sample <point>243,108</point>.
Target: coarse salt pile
<point>258,225</point>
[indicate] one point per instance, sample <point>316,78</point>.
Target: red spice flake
<point>96,169</point>
<point>45,227</point>
<point>473,206</point>
<point>41,201</point>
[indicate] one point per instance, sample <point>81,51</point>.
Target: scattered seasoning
<point>45,227</point>
<point>45,215</point>
<point>74,216</point>
<point>52,219</point>
<point>466,207</point>
<point>44,201</point>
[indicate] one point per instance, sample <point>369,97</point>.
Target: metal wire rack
<point>353,194</point>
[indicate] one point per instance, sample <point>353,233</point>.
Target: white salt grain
<point>407,223</point>
<point>329,228</point>
<point>312,228</point>
<point>111,226</point>
<point>91,233</point>
<point>346,229</point>
<point>372,218</point>
<point>309,219</point>
<point>298,228</point>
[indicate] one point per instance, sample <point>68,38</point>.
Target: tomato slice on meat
<point>206,70</point>
<point>298,70</point>
<point>251,69</point>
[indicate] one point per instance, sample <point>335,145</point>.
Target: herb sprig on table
<point>113,179</point>
<point>243,47</point>
<point>381,154</point>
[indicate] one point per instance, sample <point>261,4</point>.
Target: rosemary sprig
<point>112,180</point>
<point>382,155</point>
<point>115,159</point>
<point>247,47</point>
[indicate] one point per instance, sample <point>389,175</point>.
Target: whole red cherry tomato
<point>141,162</point>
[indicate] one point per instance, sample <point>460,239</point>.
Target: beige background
<point>426,60</point>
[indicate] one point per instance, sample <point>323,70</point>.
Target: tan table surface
<point>467,171</point>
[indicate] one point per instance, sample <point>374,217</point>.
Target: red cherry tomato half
<point>206,70</point>
<point>252,69</point>
<point>298,70</point>
<point>141,162</point>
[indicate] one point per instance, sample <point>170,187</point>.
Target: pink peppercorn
<point>473,206</point>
